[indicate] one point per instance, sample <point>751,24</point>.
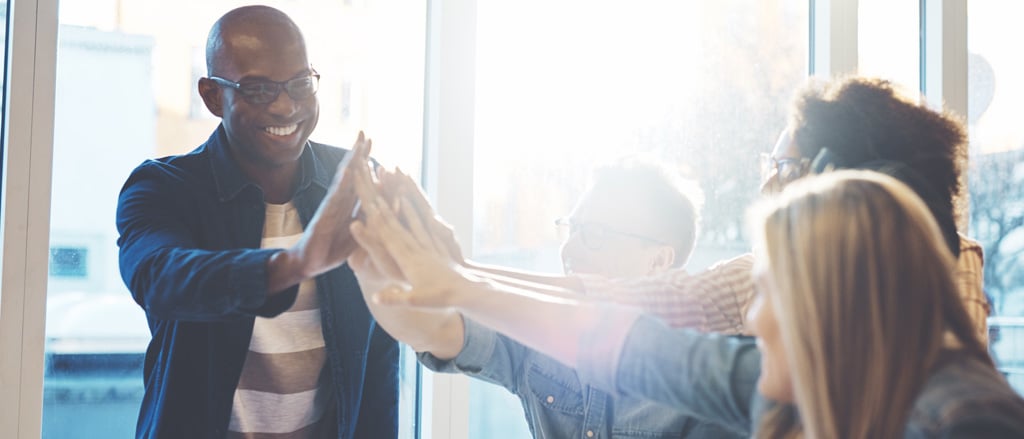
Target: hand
<point>371,278</point>
<point>326,241</point>
<point>437,331</point>
<point>394,185</point>
<point>441,232</point>
<point>427,276</point>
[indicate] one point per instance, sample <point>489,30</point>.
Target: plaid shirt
<point>714,300</point>
<point>970,275</point>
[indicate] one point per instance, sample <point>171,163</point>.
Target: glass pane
<point>126,91</point>
<point>888,41</point>
<point>703,85</point>
<point>996,175</point>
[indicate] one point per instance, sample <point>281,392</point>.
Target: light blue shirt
<point>556,404</point>
<point>715,377</point>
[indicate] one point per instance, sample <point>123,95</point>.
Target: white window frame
<point>448,140</point>
<point>28,146</point>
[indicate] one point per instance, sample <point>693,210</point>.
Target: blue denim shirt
<point>190,231</point>
<point>716,377</point>
<point>556,405</point>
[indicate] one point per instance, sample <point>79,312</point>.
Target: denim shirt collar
<point>231,181</point>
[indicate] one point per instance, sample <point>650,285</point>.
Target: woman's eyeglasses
<point>783,170</point>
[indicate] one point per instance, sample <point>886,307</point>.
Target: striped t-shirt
<point>284,390</point>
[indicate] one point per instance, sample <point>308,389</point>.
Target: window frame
<point>30,78</point>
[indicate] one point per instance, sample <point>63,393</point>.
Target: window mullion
<point>833,39</point>
<point>30,73</point>
<point>449,106</point>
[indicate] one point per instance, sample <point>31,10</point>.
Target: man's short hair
<point>672,201</point>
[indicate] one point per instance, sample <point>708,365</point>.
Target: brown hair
<point>863,306</point>
<point>869,120</point>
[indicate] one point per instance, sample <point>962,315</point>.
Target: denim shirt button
<point>550,399</point>
<point>590,433</point>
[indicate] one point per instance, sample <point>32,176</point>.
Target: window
<point>704,85</point>
<point>996,175</point>
<point>560,86</point>
<point>125,92</point>
<point>889,41</point>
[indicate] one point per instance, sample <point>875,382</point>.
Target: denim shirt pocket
<point>555,388</point>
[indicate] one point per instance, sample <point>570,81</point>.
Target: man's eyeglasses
<point>783,170</point>
<point>593,235</point>
<point>265,92</point>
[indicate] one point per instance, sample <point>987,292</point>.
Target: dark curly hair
<point>870,123</point>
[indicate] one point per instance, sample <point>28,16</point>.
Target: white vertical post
<point>833,37</point>
<point>944,54</point>
<point>25,223</point>
<point>450,99</point>
<point>944,70</point>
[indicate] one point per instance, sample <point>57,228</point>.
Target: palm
<point>327,242</point>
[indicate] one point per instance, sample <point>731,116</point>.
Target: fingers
<point>389,184</point>
<point>412,191</point>
<point>375,251</point>
<point>359,261</point>
<point>342,192</point>
<point>442,236</point>
<point>361,149</point>
<point>395,238</point>
<point>365,188</point>
<point>416,227</point>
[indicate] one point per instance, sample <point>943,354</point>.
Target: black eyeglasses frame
<point>264,92</point>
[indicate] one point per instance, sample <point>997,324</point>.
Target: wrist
<point>468,288</point>
<point>284,270</point>
<point>448,338</point>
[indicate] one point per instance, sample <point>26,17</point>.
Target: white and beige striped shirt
<point>284,390</point>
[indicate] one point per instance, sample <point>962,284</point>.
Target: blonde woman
<point>857,337</point>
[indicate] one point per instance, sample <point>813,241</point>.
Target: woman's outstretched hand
<point>398,241</point>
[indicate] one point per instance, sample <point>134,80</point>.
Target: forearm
<point>540,282</point>
<point>199,285</point>
<point>712,376</point>
<point>549,324</point>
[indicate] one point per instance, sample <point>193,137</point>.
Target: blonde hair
<point>864,293</point>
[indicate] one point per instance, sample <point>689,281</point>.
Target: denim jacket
<point>556,405</point>
<point>190,231</point>
<point>716,378</point>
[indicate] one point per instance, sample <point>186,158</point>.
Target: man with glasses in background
<point>235,251</point>
<point>636,219</point>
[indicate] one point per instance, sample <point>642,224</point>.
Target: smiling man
<point>235,251</point>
